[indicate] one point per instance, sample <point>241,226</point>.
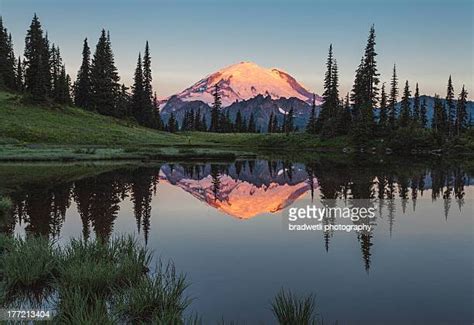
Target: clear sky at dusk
<point>428,40</point>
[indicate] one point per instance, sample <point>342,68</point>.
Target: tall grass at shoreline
<point>97,282</point>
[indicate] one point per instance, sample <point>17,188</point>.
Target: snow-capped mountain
<point>245,80</point>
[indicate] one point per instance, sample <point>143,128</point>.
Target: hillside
<point>68,125</point>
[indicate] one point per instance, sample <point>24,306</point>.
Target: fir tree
<point>416,106</point>
<point>7,59</point>
<point>383,117</point>
<point>239,125</point>
<point>392,103</point>
<point>252,128</point>
<point>172,123</point>
<point>423,114</point>
<point>370,70</point>
<point>405,109</point>
<point>104,78</point>
<point>311,126</point>
<point>37,69</point>
<point>440,119</point>
<point>365,91</point>
<point>197,121</point>
<point>147,76</point>
<point>461,112</point>
<point>289,121</point>
<point>329,101</point>
<point>215,110</point>
<point>450,108</point>
<point>139,100</point>
<point>19,85</point>
<point>82,88</point>
<point>270,124</point>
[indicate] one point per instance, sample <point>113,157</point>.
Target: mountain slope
<point>243,81</point>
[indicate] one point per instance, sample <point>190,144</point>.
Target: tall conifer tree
<point>215,111</point>
<point>82,88</point>
<point>405,109</point>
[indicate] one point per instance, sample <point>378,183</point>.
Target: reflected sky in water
<point>223,225</point>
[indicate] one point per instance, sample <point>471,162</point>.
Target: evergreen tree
<point>450,108</point>
<point>405,109</point>
<point>197,121</point>
<point>328,103</point>
<point>239,125</point>
<point>215,110</point>
<point>139,101</point>
<point>19,85</point>
<point>7,59</point>
<point>423,114</point>
<point>440,118</point>
<point>270,124</point>
<point>288,125</point>
<point>371,76</point>
<point>123,102</point>
<point>104,78</point>
<point>82,88</point>
<point>37,69</point>
<point>416,106</point>
<point>462,122</point>
<point>365,91</point>
<point>147,77</point>
<point>172,123</point>
<point>204,123</point>
<point>383,117</point>
<point>392,103</point>
<point>252,128</point>
<point>311,126</point>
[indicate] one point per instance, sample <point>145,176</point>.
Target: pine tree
<point>215,110</point>
<point>405,109</point>
<point>37,69</point>
<point>392,103</point>
<point>440,119</point>
<point>104,78</point>
<point>416,106</point>
<point>311,126</point>
<point>172,123</point>
<point>82,88</point>
<point>383,117</point>
<point>365,91</point>
<point>461,112</point>
<point>147,76</point>
<point>19,85</point>
<point>270,124</point>
<point>239,125</point>
<point>328,104</point>
<point>252,128</point>
<point>423,114</point>
<point>370,70</point>
<point>197,121</point>
<point>7,59</point>
<point>139,100</point>
<point>450,108</point>
<point>289,121</point>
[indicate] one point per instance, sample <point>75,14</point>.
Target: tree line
<point>365,113</point>
<point>368,111</point>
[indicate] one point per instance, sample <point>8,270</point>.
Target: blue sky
<point>428,40</point>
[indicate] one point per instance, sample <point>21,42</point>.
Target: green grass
<point>68,125</point>
<point>92,282</point>
<point>290,309</point>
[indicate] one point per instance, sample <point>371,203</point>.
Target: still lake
<point>223,225</point>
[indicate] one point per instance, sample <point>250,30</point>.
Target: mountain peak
<point>245,80</point>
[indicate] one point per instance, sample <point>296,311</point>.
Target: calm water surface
<point>222,224</point>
